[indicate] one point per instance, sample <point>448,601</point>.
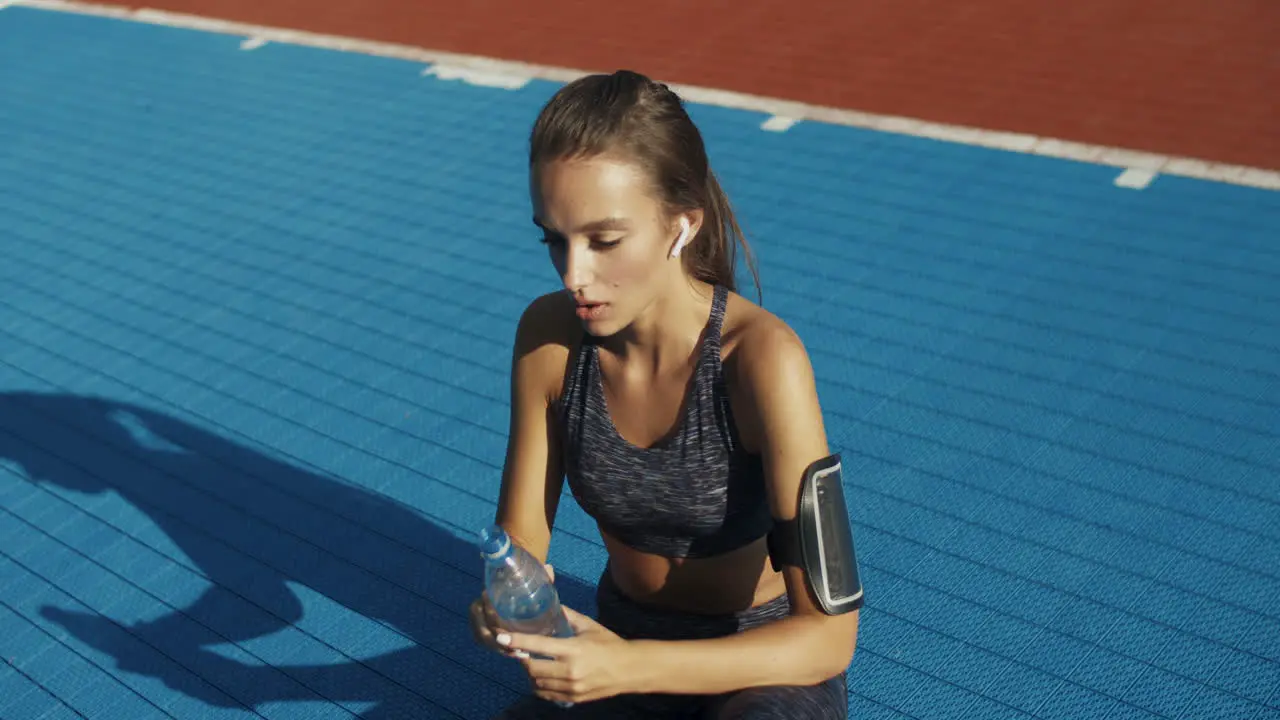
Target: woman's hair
<point>628,115</point>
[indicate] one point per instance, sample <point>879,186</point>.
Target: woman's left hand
<point>594,664</point>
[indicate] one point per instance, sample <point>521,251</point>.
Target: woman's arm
<point>809,646</point>
<point>533,474</point>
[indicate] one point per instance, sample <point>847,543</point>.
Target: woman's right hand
<point>484,621</point>
<point>484,624</point>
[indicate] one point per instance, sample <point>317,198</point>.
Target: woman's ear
<point>690,223</point>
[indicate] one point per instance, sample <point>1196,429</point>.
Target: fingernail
<point>520,654</point>
<point>503,639</point>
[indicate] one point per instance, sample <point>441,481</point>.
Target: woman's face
<point>608,237</point>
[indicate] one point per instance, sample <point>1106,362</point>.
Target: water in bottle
<point>519,588</point>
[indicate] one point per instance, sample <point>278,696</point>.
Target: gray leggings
<point>826,701</point>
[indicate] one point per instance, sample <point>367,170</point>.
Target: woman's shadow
<point>266,564</point>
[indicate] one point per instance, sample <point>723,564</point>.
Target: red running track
<point>1198,78</point>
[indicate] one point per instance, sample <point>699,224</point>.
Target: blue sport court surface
<point>256,310</point>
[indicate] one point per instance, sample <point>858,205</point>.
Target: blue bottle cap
<point>494,542</point>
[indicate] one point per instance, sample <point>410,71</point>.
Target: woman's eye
<point>597,243</point>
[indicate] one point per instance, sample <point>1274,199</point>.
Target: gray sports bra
<point>697,493</point>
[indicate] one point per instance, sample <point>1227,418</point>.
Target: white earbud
<point>683,239</point>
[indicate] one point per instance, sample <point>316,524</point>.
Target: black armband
<point>819,540</point>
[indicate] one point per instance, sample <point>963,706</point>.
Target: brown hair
<point>629,114</point>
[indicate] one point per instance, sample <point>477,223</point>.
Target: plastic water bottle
<point>519,587</point>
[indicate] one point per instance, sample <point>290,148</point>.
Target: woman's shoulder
<point>548,316</point>
<point>545,339</point>
<point>755,341</point>
<point>772,383</point>
<point>769,375</point>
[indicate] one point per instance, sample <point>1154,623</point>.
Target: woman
<point>684,417</point>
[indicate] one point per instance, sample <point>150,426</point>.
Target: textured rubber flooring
<point>255,319</point>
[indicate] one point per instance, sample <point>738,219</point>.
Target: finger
<point>481,625</point>
<point>566,692</point>
<point>484,628</point>
<point>488,617</point>
<point>560,689</point>
<point>541,669</point>
<point>554,695</point>
<point>480,628</point>
<point>551,572</point>
<point>535,644</point>
<point>482,605</point>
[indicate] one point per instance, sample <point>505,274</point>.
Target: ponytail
<point>713,256</point>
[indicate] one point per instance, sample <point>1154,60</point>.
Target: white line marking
<point>1135,178</point>
<point>1260,178</point>
<point>1068,150</point>
<point>80,8</point>
<point>1133,159</point>
<point>778,123</point>
<point>252,43</point>
<point>495,78</point>
<point>1013,142</point>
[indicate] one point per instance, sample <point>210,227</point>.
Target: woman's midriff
<point>732,582</point>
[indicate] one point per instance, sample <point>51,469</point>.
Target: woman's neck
<point>665,334</point>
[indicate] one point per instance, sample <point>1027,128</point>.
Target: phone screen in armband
<point>837,559</point>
